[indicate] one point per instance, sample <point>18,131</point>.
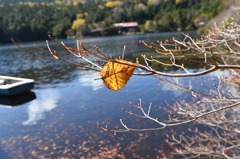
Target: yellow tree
<point>153,2</point>
<point>77,24</point>
<point>178,1</point>
<point>149,26</point>
<point>113,4</point>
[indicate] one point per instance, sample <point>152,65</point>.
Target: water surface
<point>62,120</point>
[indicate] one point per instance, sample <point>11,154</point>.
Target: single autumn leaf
<point>116,73</point>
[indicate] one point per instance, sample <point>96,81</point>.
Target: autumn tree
<point>163,16</point>
<point>77,25</point>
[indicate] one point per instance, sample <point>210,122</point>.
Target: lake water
<point>61,121</point>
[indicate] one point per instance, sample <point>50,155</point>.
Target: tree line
<point>34,21</point>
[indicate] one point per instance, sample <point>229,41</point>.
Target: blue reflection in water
<point>90,79</point>
<point>61,121</point>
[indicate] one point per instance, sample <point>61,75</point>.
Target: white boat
<point>15,85</point>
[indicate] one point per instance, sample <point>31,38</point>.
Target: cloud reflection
<point>46,101</point>
<point>87,79</point>
<point>165,86</point>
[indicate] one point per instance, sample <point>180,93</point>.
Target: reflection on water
<point>91,79</point>
<point>18,99</point>
<point>61,121</point>
<point>47,101</point>
<point>15,62</point>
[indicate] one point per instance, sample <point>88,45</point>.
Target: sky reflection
<point>91,79</point>
<point>46,101</point>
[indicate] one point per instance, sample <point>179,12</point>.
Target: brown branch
<point>165,125</point>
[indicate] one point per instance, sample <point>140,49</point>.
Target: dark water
<point>62,120</point>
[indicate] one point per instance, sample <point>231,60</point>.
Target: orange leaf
<point>115,74</point>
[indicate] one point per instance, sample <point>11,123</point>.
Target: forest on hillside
<point>20,1</point>
<point>34,21</point>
